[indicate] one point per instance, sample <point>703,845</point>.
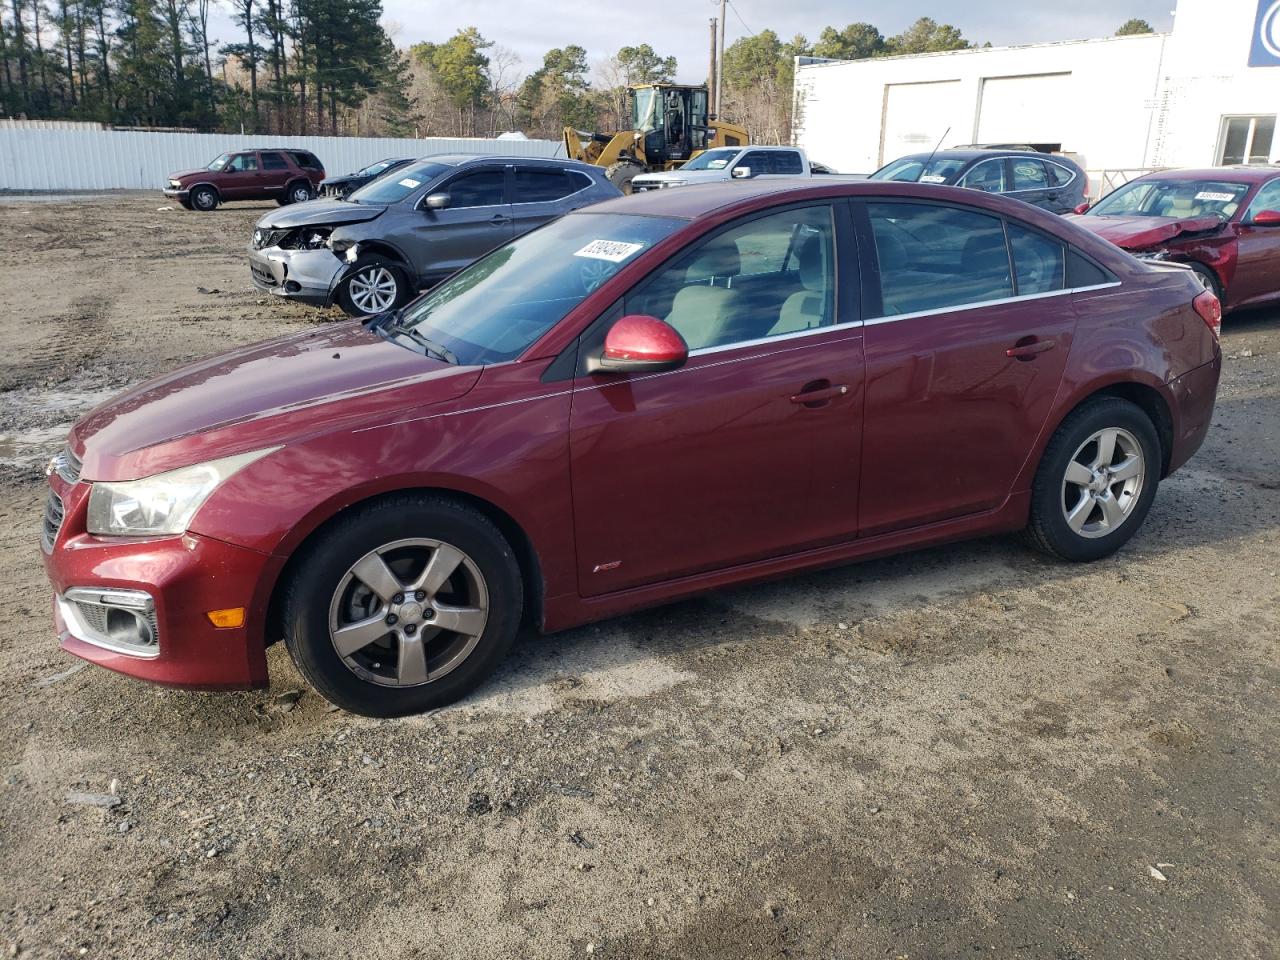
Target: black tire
<point>621,174</point>
<point>299,191</point>
<point>322,583</point>
<point>356,303</point>
<point>1208,278</point>
<point>1053,495</point>
<point>204,199</point>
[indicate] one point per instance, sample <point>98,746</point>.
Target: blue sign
<point>1265,51</point>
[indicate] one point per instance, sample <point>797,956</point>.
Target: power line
<point>740,20</point>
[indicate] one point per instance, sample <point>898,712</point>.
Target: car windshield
<point>406,181</point>
<point>221,162</point>
<point>374,169</point>
<point>1173,198</point>
<point>711,160</point>
<point>920,169</point>
<point>493,310</point>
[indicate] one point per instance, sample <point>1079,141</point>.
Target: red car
<point>1223,223</point>
<point>646,399</point>
<point>283,175</point>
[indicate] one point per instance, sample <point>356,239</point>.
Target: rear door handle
<point>1028,348</point>
<point>814,398</point>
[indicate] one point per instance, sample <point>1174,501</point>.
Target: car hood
<point>1136,233</point>
<point>260,396</point>
<point>316,213</point>
<point>184,174</point>
<point>344,178</point>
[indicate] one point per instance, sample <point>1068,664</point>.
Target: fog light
<point>225,619</point>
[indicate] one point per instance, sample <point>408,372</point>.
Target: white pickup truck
<point>732,163</point>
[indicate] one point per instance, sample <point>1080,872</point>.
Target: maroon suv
<point>646,399</point>
<point>285,176</point>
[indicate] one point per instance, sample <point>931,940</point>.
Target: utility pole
<point>720,60</point>
<point>712,86</point>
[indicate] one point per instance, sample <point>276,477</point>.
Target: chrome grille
<point>53,514</point>
<point>67,465</point>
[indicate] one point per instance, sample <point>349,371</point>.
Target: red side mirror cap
<point>1083,207</point>
<point>640,344</point>
<point>1266,218</point>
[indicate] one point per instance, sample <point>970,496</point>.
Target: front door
<point>1257,276</point>
<point>961,370</point>
<point>477,219</point>
<point>239,180</point>
<point>750,450</point>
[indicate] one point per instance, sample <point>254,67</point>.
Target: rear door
<point>537,195</point>
<point>477,219</point>
<point>274,173</point>
<point>989,176</point>
<point>951,415</point>
<point>1030,181</point>
<point>1257,277</point>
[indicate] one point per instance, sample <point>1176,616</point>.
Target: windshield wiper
<point>389,323</point>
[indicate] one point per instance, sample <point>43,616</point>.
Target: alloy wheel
<point>408,612</point>
<point>1103,482</point>
<point>301,194</point>
<point>373,289</point>
<point>205,199</point>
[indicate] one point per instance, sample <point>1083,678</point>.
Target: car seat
<point>705,305</point>
<point>806,308</point>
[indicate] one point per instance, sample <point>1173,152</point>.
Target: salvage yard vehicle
<point>1223,223</point>
<point>339,187</point>
<point>1052,181</point>
<point>644,400</point>
<point>730,163</point>
<point>376,249</point>
<point>283,175</point>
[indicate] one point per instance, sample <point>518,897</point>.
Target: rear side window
<point>1082,272</point>
<point>305,160</point>
<point>786,161</point>
<point>1059,176</point>
<point>541,186</point>
<point>484,188</point>
<point>757,160</point>
<point>1039,262</point>
<point>933,257</point>
<point>1028,174</point>
<point>273,161</point>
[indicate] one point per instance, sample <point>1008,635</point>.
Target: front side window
<point>493,310</point>
<point>273,161</point>
<point>920,170</point>
<point>768,277</point>
<point>1039,261</point>
<point>219,162</point>
<point>1246,139</point>
<point>759,161</point>
<point>1268,198</point>
<point>1028,174</point>
<point>242,163</point>
<point>933,257</point>
<point>988,176</point>
<point>716,159</point>
<point>400,184</point>
<point>484,188</point>
<point>1172,198</point>
<point>541,186</point>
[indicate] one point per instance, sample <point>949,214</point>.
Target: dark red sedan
<point>1223,223</point>
<point>646,399</point>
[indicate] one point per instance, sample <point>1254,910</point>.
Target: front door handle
<point>820,396</point>
<point>498,219</point>
<point>1028,348</point>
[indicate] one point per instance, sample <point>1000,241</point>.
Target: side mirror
<point>640,344</point>
<point>1266,218</point>
<point>740,173</point>
<point>438,201</point>
<point>1083,207</point>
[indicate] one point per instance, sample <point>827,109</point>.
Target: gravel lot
<point>964,751</point>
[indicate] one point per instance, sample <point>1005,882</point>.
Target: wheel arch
<point>298,179</point>
<point>526,555</point>
<point>205,183</point>
<point>1145,396</point>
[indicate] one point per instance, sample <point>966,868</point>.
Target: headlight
<point>175,184</point>
<point>163,504</point>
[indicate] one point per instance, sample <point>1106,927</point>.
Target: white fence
<point>60,159</point>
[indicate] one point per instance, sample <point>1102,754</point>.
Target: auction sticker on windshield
<point>410,183</point>
<point>932,178</point>
<point>1213,195</point>
<point>615,251</point>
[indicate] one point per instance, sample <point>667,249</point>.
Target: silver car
<point>413,227</point>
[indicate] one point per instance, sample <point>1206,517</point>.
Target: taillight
<point>1210,311</point>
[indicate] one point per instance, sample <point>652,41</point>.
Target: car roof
<point>979,154</point>
<point>1240,173</point>
<point>461,159</point>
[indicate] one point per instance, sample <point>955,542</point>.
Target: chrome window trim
<point>980,163</point>
<point>1061,166</point>
<point>548,169</point>
<point>989,303</point>
<point>758,341</point>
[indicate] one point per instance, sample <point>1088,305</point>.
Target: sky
<point>679,27</point>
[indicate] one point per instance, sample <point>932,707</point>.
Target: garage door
<point>916,115</point>
<point>1025,109</point>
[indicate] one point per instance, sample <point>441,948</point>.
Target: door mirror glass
<point>640,344</point>
<point>438,201</point>
<point>1083,207</point>
<point>741,173</point>
<point>1267,218</point>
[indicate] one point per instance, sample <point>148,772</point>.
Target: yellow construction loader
<point>669,125</point>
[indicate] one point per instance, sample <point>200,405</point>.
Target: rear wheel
<point>404,605</point>
<point>204,199</point>
<point>375,285</point>
<point>621,174</point>
<point>298,192</point>
<point>1095,482</point>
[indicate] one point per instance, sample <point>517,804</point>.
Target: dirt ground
<point>960,752</point>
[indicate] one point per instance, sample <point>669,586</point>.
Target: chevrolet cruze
<point>646,399</point>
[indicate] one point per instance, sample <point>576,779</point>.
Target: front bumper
<point>177,193</point>
<point>308,276</point>
<point>184,577</point>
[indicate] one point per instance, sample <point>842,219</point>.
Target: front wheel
<point>1210,279</point>
<point>404,605</point>
<point>204,199</point>
<point>1095,482</point>
<point>373,286</point>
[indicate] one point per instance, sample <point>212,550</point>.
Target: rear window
<point>305,160</point>
<point>273,161</point>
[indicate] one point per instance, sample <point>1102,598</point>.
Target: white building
<point>1207,93</point>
